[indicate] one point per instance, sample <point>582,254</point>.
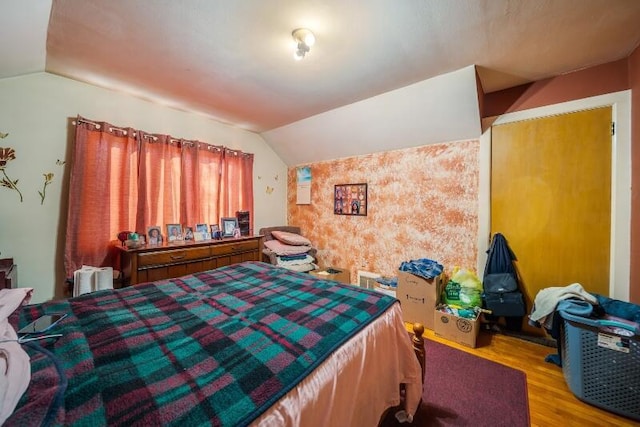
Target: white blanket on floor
<point>547,300</point>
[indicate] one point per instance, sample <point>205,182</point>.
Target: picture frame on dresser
<point>228,225</point>
<point>154,235</point>
<point>188,233</point>
<point>215,231</point>
<point>201,233</point>
<point>174,233</point>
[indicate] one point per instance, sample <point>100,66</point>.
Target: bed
<point>247,344</point>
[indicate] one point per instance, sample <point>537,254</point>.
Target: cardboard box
<point>333,273</point>
<point>457,329</point>
<point>418,298</point>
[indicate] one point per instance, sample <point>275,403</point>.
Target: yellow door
<point>551,198</point>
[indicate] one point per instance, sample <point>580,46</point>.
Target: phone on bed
<point>42,323</point>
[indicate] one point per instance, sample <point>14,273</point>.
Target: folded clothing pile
<point>292,251</point>
<point>423,267</point>
<point>387,282</point>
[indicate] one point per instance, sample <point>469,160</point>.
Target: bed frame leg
<point>418,345</point>
<point>400,413</point>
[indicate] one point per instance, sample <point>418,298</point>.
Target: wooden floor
<point>551,403</point>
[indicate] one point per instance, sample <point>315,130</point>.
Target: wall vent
<point>367,279</point>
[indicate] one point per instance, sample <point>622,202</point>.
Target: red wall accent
<point>599,80</point>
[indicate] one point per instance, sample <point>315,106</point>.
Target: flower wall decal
<point>6,155</point>
<point>48,177</point>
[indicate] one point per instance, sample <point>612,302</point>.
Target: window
<point>128,180</point>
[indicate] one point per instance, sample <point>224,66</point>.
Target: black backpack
<point>500,281</point>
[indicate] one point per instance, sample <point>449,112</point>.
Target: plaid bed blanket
<point>214,348</point>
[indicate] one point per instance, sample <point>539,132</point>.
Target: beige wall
<point>634,80</point>
<point>422,203</point>
<point>36,110</point>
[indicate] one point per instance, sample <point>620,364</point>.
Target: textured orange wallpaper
<point>422,203</point>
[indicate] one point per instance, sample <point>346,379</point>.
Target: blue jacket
<point>500,257</point>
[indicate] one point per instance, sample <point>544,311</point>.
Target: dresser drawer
<point>166,261</point>
<point>235,247</point>
<point>172,256</point>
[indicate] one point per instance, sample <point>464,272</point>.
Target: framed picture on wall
<point>350,199</point>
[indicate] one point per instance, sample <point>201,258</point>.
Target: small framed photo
<point>229,226</point>
<point>174,233</point>
<point>201,233</point>
<point>215,231</point>
<point>188,233</point>
<point>154,235</point>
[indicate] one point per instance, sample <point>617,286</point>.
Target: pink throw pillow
<point>281,249</point>
<point>290,238</point>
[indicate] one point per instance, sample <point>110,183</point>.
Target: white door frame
<point>620,259</point>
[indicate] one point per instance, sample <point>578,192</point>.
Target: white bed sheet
<point>357,383</point>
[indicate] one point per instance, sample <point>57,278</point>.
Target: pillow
<point>281,249</point>
<point>291,238</point>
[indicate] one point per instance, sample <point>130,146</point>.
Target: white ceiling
<point>233,60</point>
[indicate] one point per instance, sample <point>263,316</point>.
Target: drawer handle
<point>176,257</point>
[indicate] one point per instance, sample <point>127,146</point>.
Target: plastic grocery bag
<point>463,290</point>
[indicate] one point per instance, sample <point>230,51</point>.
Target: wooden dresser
<point>156,262</point>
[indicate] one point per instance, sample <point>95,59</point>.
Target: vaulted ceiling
<point>382,74</point>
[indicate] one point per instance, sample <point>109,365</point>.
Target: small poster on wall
<point>350,199</point>
<point>303,193</point>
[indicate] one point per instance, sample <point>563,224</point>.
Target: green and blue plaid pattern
<point>212,348</point>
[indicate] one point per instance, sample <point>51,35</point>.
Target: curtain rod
<point>113,128</point>
<point>81,120</point>
<point>98,125</point>
<point>171,140</point>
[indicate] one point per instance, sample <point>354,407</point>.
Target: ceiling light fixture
<point>304,39</point>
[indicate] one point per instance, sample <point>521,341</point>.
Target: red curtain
<point>237,184</point>
<point>129,180</point>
